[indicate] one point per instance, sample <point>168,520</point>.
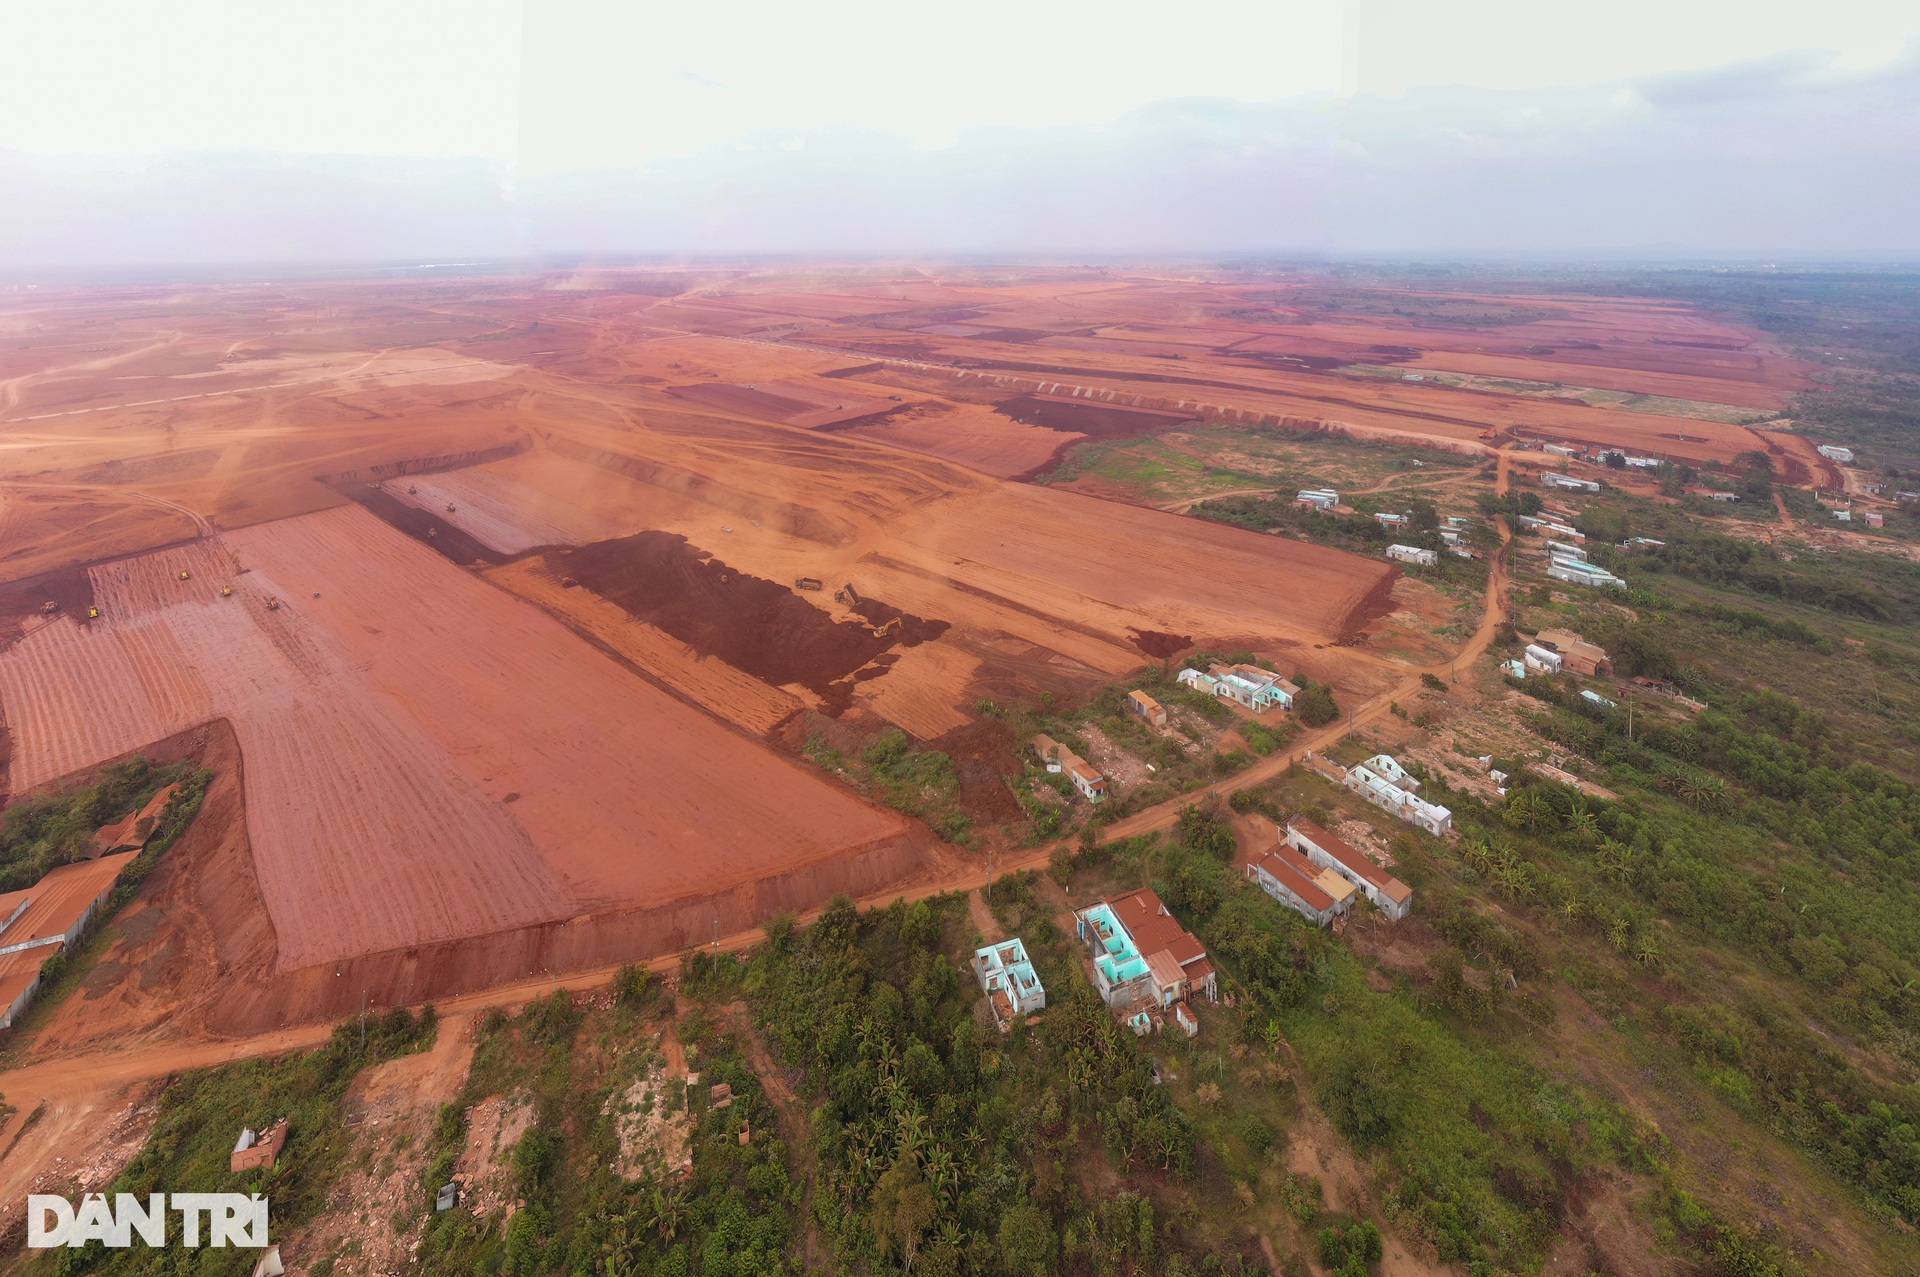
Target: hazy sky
<point>208,128</point>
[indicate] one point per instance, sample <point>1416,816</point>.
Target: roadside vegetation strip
<point>202,1112</point>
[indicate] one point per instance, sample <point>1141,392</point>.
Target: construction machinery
<point>93,614</point>
<point>881,631</point>
<point>451,507</point>
<point>226,591</point>
<point>806,582</point>
<point>49,607</point>
<point>568,583</point>
<point>273,605</point>
<point>185,575</point>
<point>848,595</point>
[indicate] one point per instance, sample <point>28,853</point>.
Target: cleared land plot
<point>426,757</point>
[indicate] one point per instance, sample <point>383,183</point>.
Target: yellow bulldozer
<point>185,575</point>
<point>226,591</point>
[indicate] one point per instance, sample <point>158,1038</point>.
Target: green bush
<point>1315,706</point>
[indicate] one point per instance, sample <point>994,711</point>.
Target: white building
<point>1413,554</point>
<point>1543,659</point>
<point>1568,482</point>
<point>1318,498</point>
<point>1387,519</point>
<point>1387,767</point>
<point>1388,894</point>
<point>1249,685</point>
<point>1834,452</point>
<point>1560,449</point>
<point>1383,793</point>
<point>1590,574</point>
<point>1009,980</point>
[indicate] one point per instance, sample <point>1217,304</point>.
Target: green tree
<point>1027,1240</point>
<point>1315,706</point>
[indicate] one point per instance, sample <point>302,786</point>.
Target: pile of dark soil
<point>1092,418</point>
<point>756,625</point>
<point>1159,644</point>
<point>983,754</point>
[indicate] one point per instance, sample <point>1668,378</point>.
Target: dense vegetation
<point>45,831</point>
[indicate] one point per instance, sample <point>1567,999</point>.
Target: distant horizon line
<point>266,272</point>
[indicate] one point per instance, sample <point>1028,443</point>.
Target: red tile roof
<point>1358,862</point>
<point>1296,875</point>
<point>1154,929</point>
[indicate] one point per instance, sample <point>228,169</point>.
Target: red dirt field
<point>397,797</point>
<point>451,753</point>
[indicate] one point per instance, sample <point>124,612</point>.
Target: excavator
<point>881,631</point>
<point>273,605</point>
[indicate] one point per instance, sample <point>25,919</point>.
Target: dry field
<point>541,652</point>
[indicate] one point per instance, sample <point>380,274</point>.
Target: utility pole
<point>363,1021</point>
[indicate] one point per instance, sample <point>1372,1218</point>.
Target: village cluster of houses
<point>1318,876</point>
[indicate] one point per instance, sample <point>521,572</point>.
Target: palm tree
<point>669,1213</point>
<point>1581,823</point>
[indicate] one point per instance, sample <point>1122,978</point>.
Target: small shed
<point>1146,707</point>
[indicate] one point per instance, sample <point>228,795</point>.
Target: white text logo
<point>213,1219</point>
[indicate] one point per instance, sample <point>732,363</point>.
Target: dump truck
<point>848,595</point>
<point>806,582</point>
<point>273,605</point>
